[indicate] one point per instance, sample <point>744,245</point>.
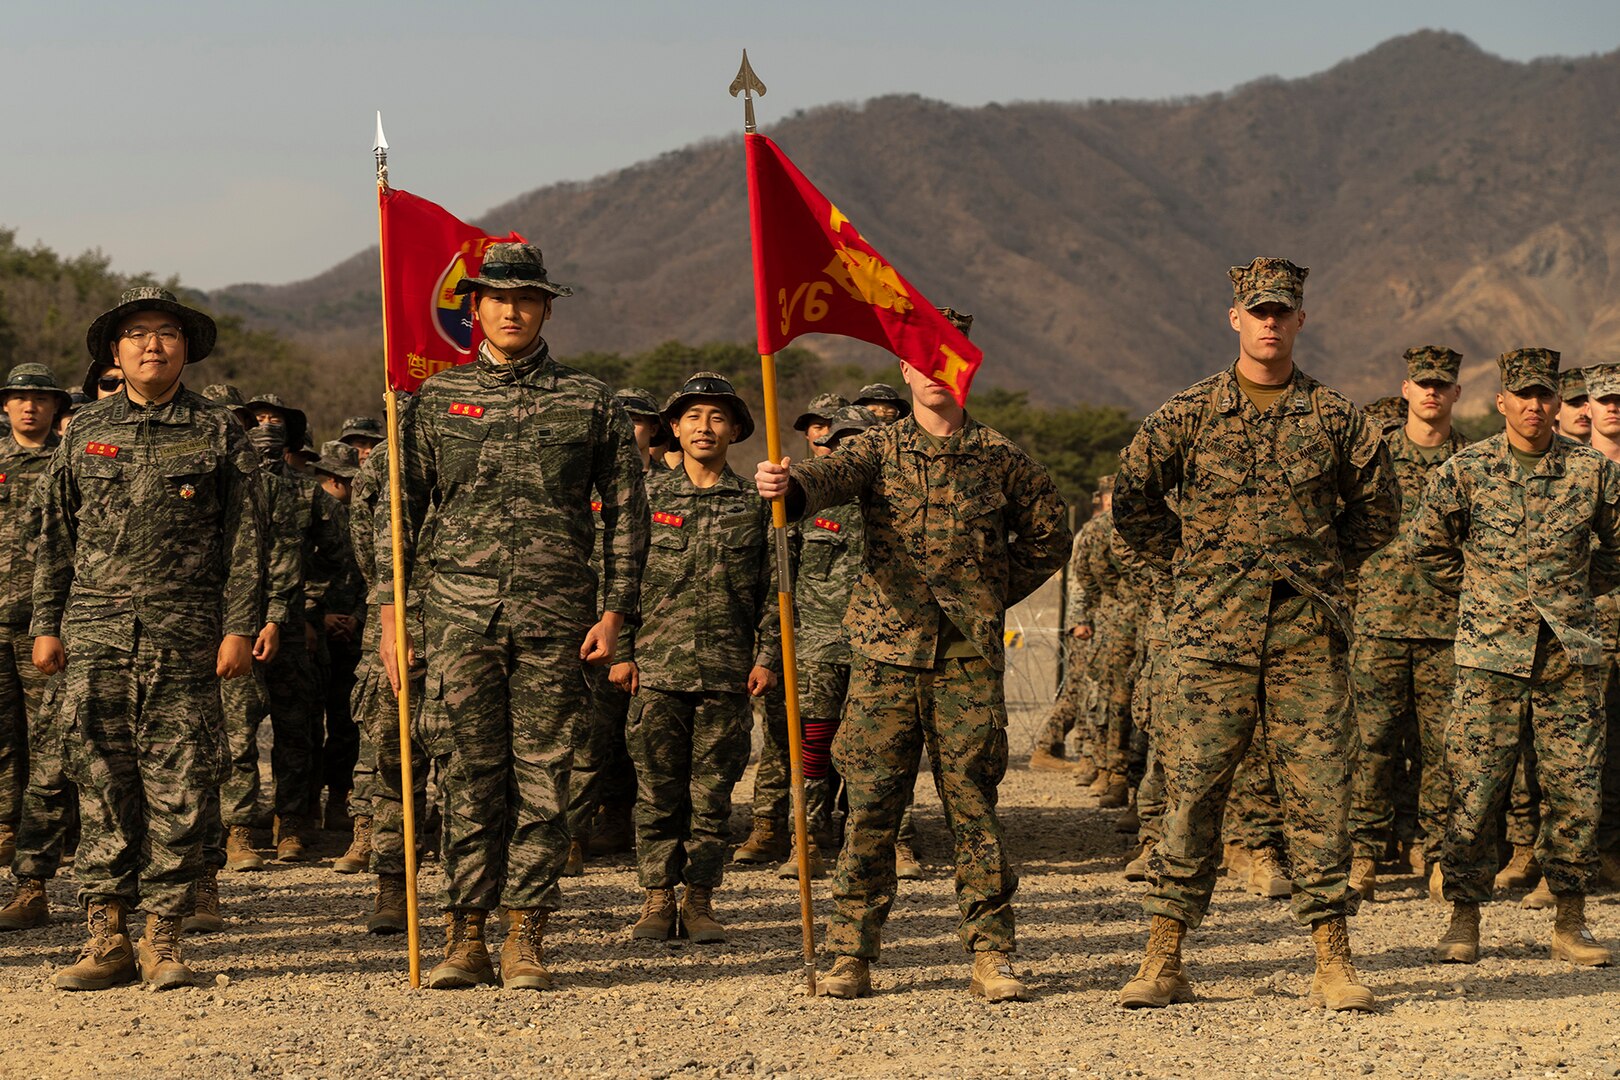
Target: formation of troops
<point>1305,640</point>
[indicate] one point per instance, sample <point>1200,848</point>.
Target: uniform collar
<point>13,448</point>
<point>534,369</point>
<point>1550,465</point>
<point>728,484</point>
<point>1231,399</point>
<point>913,439</point>
<point>176,411</point>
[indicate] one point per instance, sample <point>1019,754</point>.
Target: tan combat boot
<point>8,843</point>
<point>1335,986</point>
<point>1539,897</point>
<point>239,853</point>
<point>906,866</point>
<point>1235,860</point>
<point>203,899</point>
<point>466,960</point>
<point>1267,877</point>
<point>289,842</point>
<point>388,912</point>
<point>993,978</point>
<point>790,868</point>
<point>1571,940</point>
<point>767,843</point>
<point>1130,822</point>
<point>523,961</point>
<point>698,924</point>
<point>1160,981</point>
<point>657,922</point>
<point>158,953</point>
<point>1100,784</point>
<point>1364,877</point>
<point>29,906</point>
<point>358,857</point>
<point>107,958</point>
<point>850,977</point>
<point>1085,771</point>
<point>1137,868</point>
<point>574,864</point>
<point>1522,870</point>
<point>1047,759</point>
<point>1116,795</point>
<point>1460,945</point>
<point>1437,885</point>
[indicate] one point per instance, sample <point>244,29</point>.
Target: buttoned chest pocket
<point>984,517</point>
<point>1500,516</point>
<point>820,550</point>
<point>102,488</point>
<point>741,533</point>
<point>189,484</point>
<point>563,451</point>
<point>460,450</point>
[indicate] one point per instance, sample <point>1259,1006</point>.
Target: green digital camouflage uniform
<point>1273,509</point>
<point>1071,695</point>
<point>508,457</point>
<point>1155,690</point>
<point>1105,602</point>
<point>149,554</point>
<point>709,616</point>
<point>957,530</point>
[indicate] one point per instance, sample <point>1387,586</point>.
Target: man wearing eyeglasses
<point>147,591</point>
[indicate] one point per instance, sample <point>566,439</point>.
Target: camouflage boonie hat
<point>513,266</point>
<point>1434,363</point>
<point>959,319</point>
<point>1572,385</point>
<point>1602,380</point>
<point>224,394</point>
<point>822,408</point>
<point>1524,368</point>
<point>337,459</point>
<point>297,422</point>
<point>884,394</point>
<point>639,401</point>
<point>365,427</point>
<point>710,384</point>
<point>35,377</point>
<point>199,329</point>
<point>849,420</point>
<point>1268,281</point>
<point>78,398</point>
<point>1386,412</point>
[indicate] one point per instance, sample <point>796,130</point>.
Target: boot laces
<point>164,937</point>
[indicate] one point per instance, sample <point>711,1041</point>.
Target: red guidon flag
<point>815,274</point>
<point>426,251</point>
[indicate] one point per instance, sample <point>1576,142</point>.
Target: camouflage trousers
<point>1115,665</point>
<point>22,690</point>
<point>50,802</point>
<point>1608,837</point>
<point>143,728</point>
<point>341,748</point>
<point>287,691</point>
<point>603,774</point>
<point>509,711</point>
<point>1155,683</point>
<point>1254,814</point>
<point>1071,695</point>
<point>1298,700</point>
<point>772,777</point>
<point>957,710</point>
<point>377,783</point>
<point>1558,711</point>
<point>1402,687</point>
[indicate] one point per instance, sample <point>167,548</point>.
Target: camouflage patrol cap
<point>297,422</point>
<point>1268,281</point>
<point>1105,484</point>
<point>36,377</point>
<point>959,319</point>
<point>199,329</point>
<point>1603,380</point>
<point>849,420</point>
<point>337,459</point>
<point>639,401</point>
<point>1433,363</point>
<point>1386,412</point>
<point>1524,368</point>
<point>363,427</point>
<point>883,393</point>
<point>822,408</point>
<point>710,384</point>
<point>513,266</point>
<point>1572,385</point>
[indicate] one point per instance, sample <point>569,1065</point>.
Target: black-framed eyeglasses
<point>110,382</point>
<point>140,335</point>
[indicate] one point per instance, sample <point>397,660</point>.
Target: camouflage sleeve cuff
<point>248,632</point>
<point>277,613</point>
<point>45,624</point>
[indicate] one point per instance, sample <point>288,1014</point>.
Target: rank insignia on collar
<point>187,491</point>
<point>596,505</point>
<point>101,449</point>
<point>829,525</point>
<point>662,518</point>
<point>459,408</point>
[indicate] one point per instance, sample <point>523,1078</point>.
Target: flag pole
<point>396,518</point>
<point>748,84</point>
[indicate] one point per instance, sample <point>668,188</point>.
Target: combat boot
<point>1364,877</point>
<point>1049,759</point>
<point>906,866</point>
<point>1522,870</point>
<point>767,843</point>
<point>1235,860</point>
<point>1539,897</point>
<point>158,953</point>
<point>1100,784</point>
<point>850,977</point>
<point>523,961</point>
<point>1137,868</point>
<point>203,900</point>
<point>1129,822</point>
<point>1437,885</point>
<point>1267,877</point>
<point>993,978</point>
<point>1460,945</point>
<point>239,853</point>
<point>574,865</point>
<point>8,843</point>
<point>389,914</point>
<point>289,844</point>
<point>1116,795</point>
<point>107,958</point>
<point>657,922</point>
<point>1160,981</point>
<point>1335,986</point>
<point>790,869</point>
<point>358,857</point>
<point>466,960</point>
<point>29,906</point>
<point>1609,870</point>
<point>698,924</point>
<point>1571,940</point>
<point>1085,771</point>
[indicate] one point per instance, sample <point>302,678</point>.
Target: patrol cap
<point>959,319</point>
<point>1603,380</point>
<point>199,329</point>
<point>1268,281</point>
<point>364,427</point>
<point>849,420</point>
<point>710,384</point>
<point>30,376</point>
<point>337,459</point>
<point>513,266</point>
<point>1524,368</point>
<point>885,394</point>
<point>1386,412</point>
<point>297,422</point>
<point>639,401</point>
<point>1433,363</point>
<point>1105,484</point>
<point>1572,384</point>
<point>822,408</point>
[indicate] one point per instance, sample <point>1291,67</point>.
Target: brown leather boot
<point>766,843</point>
<point>1100,784</point>
<point>993,978</point>
<point>1049,759</point>
<point>1137,868</point>
<point>8,843</point>
<point>1160,981</point>
<point>239,853</point>
<point>657,922</point>
<point>1460,945</point>
<point>1335,986</point>
<point>574,864</point>
<point>1129,822</point>
<point>1522,870</point>
<point>698,924</point>
<point>107,959</point>
<point>289,840</point>
<point>1235,860</point>
<point>358,857</point>
<point>1085,771</point>
<point>906,866</point>
<point>205,917</point>
<point>789,870</point>
<point>850,977</point>
<point>1116,795</point>
<point>523,961</point>
<point>1364,877</point>
<point>388,912</point>
<point>1540,897</point>
<point>466,959</point>
<point>1267,877</point>
<point>158,953</point>
<point>1571,940</point>
<point>29,906</point>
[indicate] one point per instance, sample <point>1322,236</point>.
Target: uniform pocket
<point>460,450</point>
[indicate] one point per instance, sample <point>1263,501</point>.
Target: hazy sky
<point>226,143</point>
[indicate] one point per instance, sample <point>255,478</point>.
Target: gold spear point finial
<point>747,84</point>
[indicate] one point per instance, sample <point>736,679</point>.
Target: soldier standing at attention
<point>959,525</point>
<point>1524,527</point>
<point>1603,381</point>
<point>1283,487</point>
<point>147,589</point>
<point>508,453</point>
<point>1574,406</point>
<point>1048,751</point>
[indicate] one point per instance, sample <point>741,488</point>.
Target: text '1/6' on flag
<point>426,251</point>
<point>815,274</point>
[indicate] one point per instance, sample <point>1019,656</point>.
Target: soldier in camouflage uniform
<point>1105,610</point>
<point>959,525</point>
<point>507,453</point>
<point>1048,752</point>
<point>341,630</point>
<point>364,433</point>
<point>1524,527</point>
<point>884,401</point>
<point>1574,406</point>
<point>1603,383</point>
<point>709,639</point>
<point>1283,487</point>
<point>36,799</point>
<point>149,571</point>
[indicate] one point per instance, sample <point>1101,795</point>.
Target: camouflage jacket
<point>151,515</point>
<point>1152,588</point>
<point>508,457</point>
<point>309,551</point>
<point>368,500</point>
<point>1097,586</point>
<point>962,531</point>
<point>708,612</point>
<point>22,469</point>
<point>1298,495</point>
<point>1393,598</point>
<point>1520,551</point>
<point>828,556</point>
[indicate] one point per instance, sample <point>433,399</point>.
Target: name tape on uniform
<point>101,449</point>
<point>830,526</point>
<point>661,518</point>
<point>460,408</point>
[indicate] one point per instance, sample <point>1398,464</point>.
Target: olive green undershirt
<point>1428,455</point>
<point>1527,459</point>
<point>1261,395</point>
